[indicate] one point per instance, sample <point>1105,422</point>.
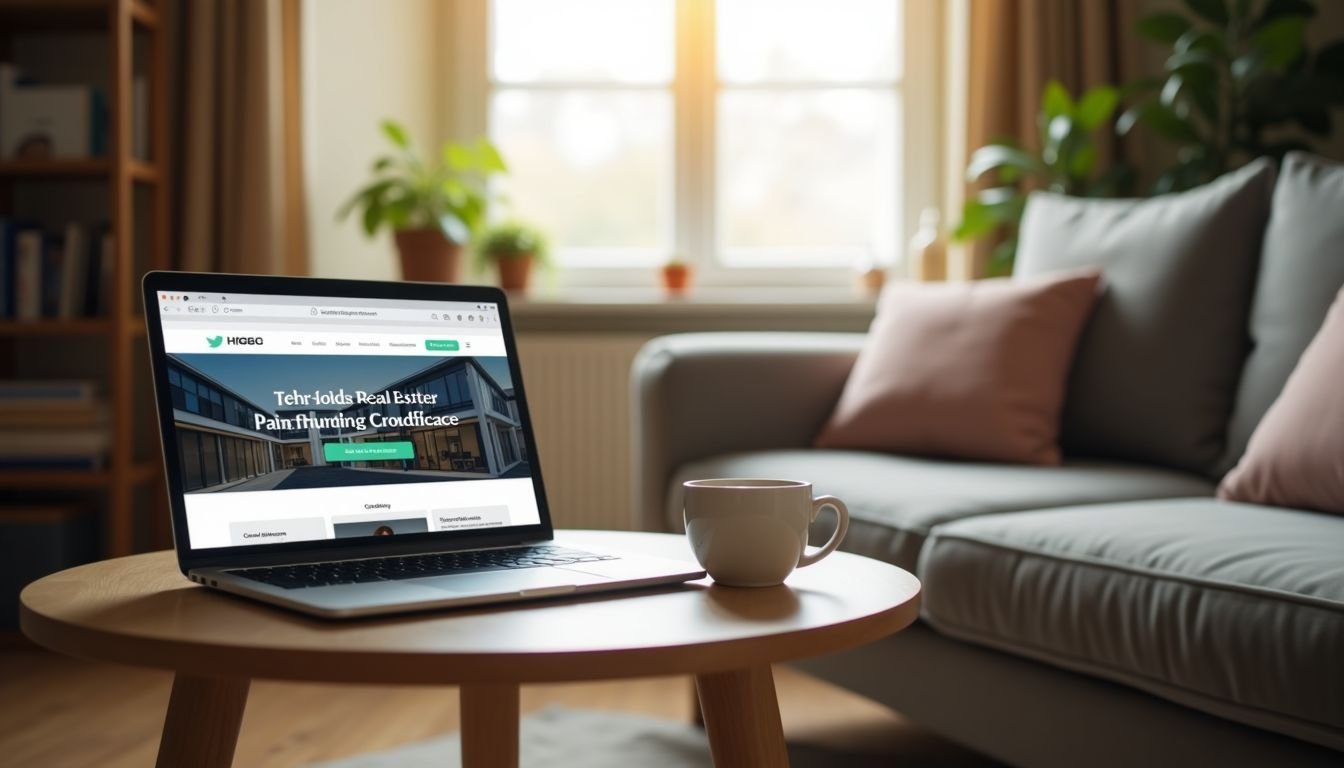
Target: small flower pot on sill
<point>676,278</point>
<point>428,256</point>
<point>515,271</point>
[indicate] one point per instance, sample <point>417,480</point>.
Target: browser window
<point>300,419</point>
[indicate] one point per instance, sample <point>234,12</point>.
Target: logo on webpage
<point>250,341</point>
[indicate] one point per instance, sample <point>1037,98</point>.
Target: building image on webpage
<point>223,445</point>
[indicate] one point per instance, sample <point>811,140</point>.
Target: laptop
<point>350,448</point>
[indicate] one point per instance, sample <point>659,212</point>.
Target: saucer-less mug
<point>753,532</point>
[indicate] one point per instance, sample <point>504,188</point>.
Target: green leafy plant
<point>408,192</point>
<point>1239,73</point>
<point>1065,163</point>
<point>511,239</point>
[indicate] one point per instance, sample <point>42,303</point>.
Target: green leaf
<point>1281,41</point>
<point>1010,162</point>
<point>1209,10</point>
<point>1096,107</point>
<point>1057,132</point>
<point>1195,58</point>
<point>1199,40</point>
<point>1278,9</point>
<point>383,163</point>
<point>491,161</point>
<point>1248,66</point>
<point>373,215</point>
<point>1163,27</point>
<point>977,220</point>
<point>454,228</point>
<point>1171,96</point>
<point>1082,161</point>
<point>1055,101</point>
<point>1003,202</point>
<point>396,133</point>
<point>1002,258</point>
<point>1161,119</point>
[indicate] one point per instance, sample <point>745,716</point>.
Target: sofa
<point>1108,611</point>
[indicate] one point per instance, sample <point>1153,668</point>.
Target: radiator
<point>578,390</point>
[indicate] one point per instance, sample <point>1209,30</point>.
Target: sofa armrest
<point>701,394</point>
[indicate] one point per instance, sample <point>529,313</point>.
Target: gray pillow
<point>1301,269</point>
<point>1157,365</point>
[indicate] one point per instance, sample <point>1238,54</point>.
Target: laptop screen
<point>315,418</point>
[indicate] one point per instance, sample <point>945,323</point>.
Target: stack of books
<point>52,425</point>
<point>44,275</point>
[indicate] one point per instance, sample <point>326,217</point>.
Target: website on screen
<point>299,419</point>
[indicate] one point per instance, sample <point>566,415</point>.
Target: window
<point>767,141</point>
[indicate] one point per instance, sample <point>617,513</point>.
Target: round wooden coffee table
<point>139,610</point>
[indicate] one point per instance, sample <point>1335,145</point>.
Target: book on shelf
<point>49,276</point>
<point>45,392</point>
<point>61,424</point>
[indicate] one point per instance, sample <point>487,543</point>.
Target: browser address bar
<point>319,311</point>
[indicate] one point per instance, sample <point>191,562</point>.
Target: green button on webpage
<point>441,345</point>
<point>392,450</point>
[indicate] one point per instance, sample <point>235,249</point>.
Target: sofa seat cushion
<point>894,500</point>
<point>1233,609</point>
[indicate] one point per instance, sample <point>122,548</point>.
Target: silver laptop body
<point>351,448</point>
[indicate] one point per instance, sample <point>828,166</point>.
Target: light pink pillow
<point>1295,457</point>
<point>966,370</point>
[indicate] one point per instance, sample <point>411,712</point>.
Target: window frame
<point>695,91</point>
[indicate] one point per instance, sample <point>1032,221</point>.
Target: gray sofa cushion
<point>1157,365</point>
<point>894,500</point>
<point>1301,269</point>
<point>1233,609</point>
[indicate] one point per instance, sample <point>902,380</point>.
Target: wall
<point>363,62</point>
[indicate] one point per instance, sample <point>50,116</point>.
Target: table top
<point>140,610</point>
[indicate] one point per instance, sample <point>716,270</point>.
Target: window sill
<point>644,311</point>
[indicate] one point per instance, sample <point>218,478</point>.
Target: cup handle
<point>841,527</point>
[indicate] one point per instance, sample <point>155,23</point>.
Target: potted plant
<point>676,274</point>
<point>1065,163</point>
<point>1241,82</point>
<point>432,208</point>
<point>513,247</point>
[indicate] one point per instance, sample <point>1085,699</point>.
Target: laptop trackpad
<point>507,582</point>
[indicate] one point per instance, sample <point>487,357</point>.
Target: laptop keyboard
<point>415,566</point>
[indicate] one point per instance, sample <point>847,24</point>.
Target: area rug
<point>571,738</point>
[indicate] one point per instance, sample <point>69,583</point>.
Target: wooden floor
<point>66,713</point>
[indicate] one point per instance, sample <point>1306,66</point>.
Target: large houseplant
<point>1240,83</point>
<point>1066,162</point>
<point>432,208</point>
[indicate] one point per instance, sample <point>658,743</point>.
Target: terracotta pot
<point>676,278</point>
<point>428,257</point>
<point>514,271</point>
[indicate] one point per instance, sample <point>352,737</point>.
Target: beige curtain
<point>1018,45</point>
<point>239,185</point>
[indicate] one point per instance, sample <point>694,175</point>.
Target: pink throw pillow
<point>1295,457</point>
<point>966,370</point>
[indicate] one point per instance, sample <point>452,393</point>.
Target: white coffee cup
<point>753,532</point>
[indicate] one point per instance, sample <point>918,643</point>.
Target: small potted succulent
<point>513,247</point>
<point>676,274</point>
<point>432,208</point>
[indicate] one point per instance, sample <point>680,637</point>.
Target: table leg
<point>489,726</point>
<point>201,728</point>
<point>742,718</point>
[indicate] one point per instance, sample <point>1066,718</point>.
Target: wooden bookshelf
<point>124,381</point>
